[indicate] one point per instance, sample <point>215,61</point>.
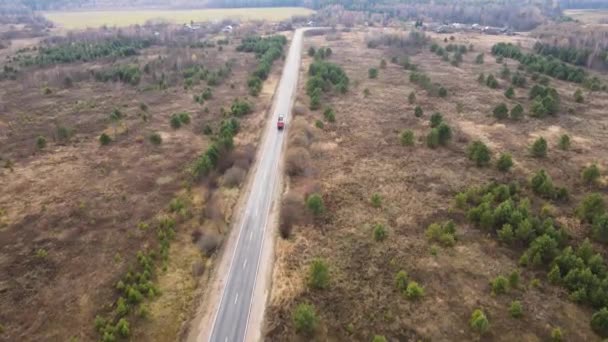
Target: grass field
<point>589,16</point>
<point>77,20</point>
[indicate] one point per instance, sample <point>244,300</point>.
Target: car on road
<point>281,122</point>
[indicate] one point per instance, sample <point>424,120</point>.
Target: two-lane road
<point>232,316</point>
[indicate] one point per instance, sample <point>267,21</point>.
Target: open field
<point>361,154</point>
<point>77,217</point>
<point>84,19</point>
<point>589,16</point>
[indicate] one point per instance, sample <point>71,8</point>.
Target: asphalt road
<point>232,316</point>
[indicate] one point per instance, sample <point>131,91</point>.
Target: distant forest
<point>583,4</point>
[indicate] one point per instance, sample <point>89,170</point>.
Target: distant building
<point>444,29</point>
<point>192,26</point>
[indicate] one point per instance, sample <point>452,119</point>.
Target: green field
<point>589,16</point>
<point>84,19</point>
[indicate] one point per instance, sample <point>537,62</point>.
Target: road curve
<point>232,316</point>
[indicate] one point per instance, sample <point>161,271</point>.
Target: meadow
<point>84,19</point>
<point>589,16</point>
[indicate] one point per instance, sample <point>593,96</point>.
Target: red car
<point>281,122</point>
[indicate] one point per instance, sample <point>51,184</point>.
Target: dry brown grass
<point>361,154</point>
<point>82,203</point>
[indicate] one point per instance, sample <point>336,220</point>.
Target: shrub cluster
<point>122,73</point>
<point>267,50</point>
<point>240,108</point>
<point>136,284</point>
<point>565,54</point>
<point>537,63</point>
<point>318,276</point>
<point>305,319</point>
<point>581,270</point>
<point>195,74</point>
<point>423,80</point>
<point>443,233</point>
<point>542,185</point>
<point>223,143</point>
<point>478,152</point>
<point>324,76</point>
<point>546,101</point>
<point>440,134</point>
<point>85,51</point>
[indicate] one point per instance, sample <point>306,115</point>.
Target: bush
<point>379,338</point>
<point>234,176</point>
<point>481,78</point>
<point>478,152</point>
<point>491,82</point>
<point>564,142</point>
<point>578,96</point>
<point>123,327</point>
<point>517,112</point>
<point>418,112</point>
<point>443,92</point>
<point>104,139</point>
<point>407,138</point>
<point>557,335</point>
<point>382,64</point>
<point>479,59</point>
<point>501,111</point>
<point>319,124</point>
<point>591,174</point>
<point>542,184</point>
<point>329,115</point>
<point>318,275</point>
<point>445,133</point>
<point>175,121</point>
<point>311,51</point>
<point>436,119</point>
<point>401,281</point>
<point>443,233</point>
<point>599,322</point>
<point>591,207</point>
<point>372,73</point>
<point>40,142</point>
<point>516,309</point>
<point>155,138</point>
<point>376,200</point>
<point>292,212</point>
<point>479,322</point>
<point>506,234</point>
<point>514,279</point>
<point>600,228</point>
<point>297,161</point>
<point>411,99</point>
<point>314,203</point>
<point>305,319</point>
<point>509,93</point>
<point>539,148</point>
<point>504,163</point>
<point>414,291</point>
<point>432,139</point>
<point>379,232</point>
<point>500,285</point>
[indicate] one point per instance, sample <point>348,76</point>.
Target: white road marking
<point>251,235</point>
<point>245,263</point>
<point>236,299</point>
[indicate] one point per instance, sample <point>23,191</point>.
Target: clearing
<point>365,242</point>
<point>93,19</point>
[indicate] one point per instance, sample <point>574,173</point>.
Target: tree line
<point>267,50</point>
<point>541,64</point>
